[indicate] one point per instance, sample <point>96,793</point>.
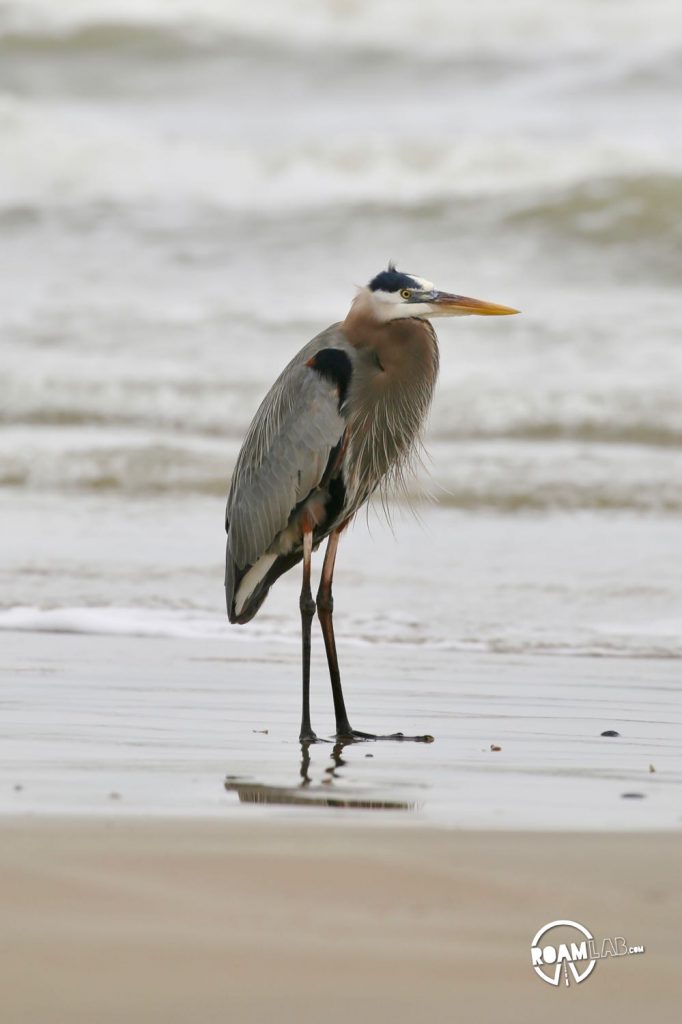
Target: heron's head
<point>393,294</point>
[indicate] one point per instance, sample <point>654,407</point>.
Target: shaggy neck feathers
<point>389,396</point>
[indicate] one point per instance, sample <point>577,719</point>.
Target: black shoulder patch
<point>335,365</point>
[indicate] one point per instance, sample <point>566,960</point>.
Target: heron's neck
<point>405,350</point>
<point>391,387</point>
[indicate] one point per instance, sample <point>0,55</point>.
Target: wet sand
<point>223,921</point>
<point>123,725</point>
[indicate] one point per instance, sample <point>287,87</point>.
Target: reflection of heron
<point>341,420</point>
<point>326,793</point>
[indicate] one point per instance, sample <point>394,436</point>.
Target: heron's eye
<point>406,293</point>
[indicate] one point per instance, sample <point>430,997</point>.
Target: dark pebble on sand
<point>633,796</point>
<point>610,732</point>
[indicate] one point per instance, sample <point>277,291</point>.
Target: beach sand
<point>167,855</point>
<point>177,921</point>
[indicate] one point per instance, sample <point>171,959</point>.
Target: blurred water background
<point>190,189</point>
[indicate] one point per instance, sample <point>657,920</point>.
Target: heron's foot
<point>311,737</point>
<point>355,735</point>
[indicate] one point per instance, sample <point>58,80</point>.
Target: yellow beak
<point>459,305</point>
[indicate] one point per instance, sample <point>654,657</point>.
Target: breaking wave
<point>505,474</point>
<point>658,640</point>
<point>574,26</point>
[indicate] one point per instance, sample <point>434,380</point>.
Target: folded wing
<point>282,462</point>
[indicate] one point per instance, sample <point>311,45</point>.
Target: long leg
<point>307,606</point>
<point>325,609</point>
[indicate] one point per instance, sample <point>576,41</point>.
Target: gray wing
<point>285,453</point>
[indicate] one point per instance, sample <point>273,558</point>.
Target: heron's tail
<point>247,588</point>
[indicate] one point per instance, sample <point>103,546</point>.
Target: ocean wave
<point>578,25</point>
<point>73,166</point>
<point>613,392</point>
<point>142,622</point>
<point>117,37</point>
<point>121,163</point>
<point>615,209</point>
<point>509,475</point>
<point>656,640</point>
<point>188,39</point>
<point>610,423</point>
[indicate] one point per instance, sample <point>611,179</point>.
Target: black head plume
<point>392,280</point>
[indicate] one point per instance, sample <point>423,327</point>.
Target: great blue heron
<point>341,420</point>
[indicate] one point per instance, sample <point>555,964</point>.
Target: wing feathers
<point>283,460</point>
